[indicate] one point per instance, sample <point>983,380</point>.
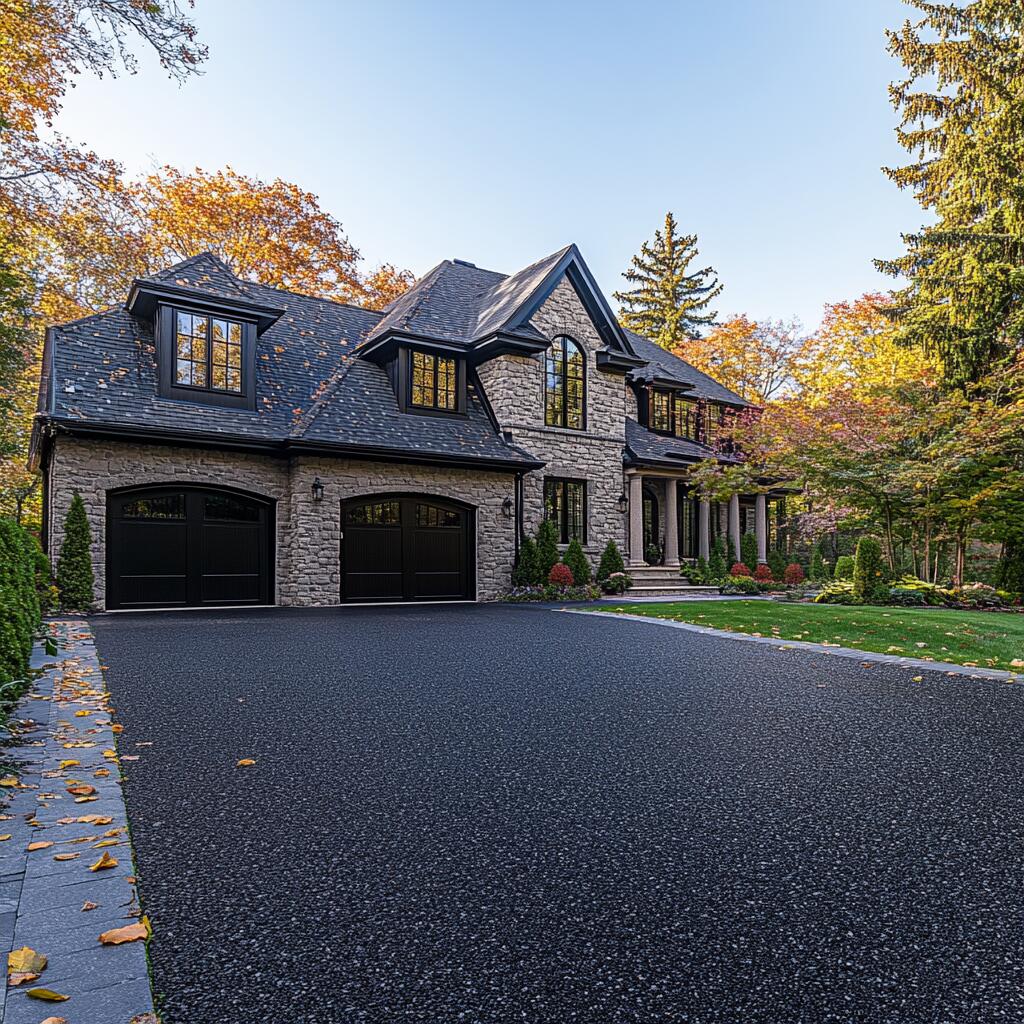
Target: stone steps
<point>663,581</point>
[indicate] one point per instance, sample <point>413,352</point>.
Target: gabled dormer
<point>205,324</point>
<point>427,380</point>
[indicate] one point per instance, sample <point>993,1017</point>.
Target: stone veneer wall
<point>307,559</point>
<point>515,389</point>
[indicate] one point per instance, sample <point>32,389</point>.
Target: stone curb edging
<point>949,668</point>
<point>65,717</point>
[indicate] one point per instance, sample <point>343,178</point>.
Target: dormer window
<point>686,419</point>
<point>661,412</point>
<point>434,382</point>
<point>206,357</point>
<point>208,352</point>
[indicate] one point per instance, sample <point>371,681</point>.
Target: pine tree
<point>962,122</point>
<point>716,560</point>
<point>611,561</point>
<point>748,551</point>
<point>777,563</point>
<point>817,571</point>
<point>547,548</point>
<point>668,304</point>
<point>74,570</point>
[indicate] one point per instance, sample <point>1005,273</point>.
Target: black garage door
<point>406,549</point>
<point>187,547</point>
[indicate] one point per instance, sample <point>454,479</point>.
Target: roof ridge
<point>327,388</point>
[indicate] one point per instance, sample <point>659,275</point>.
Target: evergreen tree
<point>525,573</point>
<point>547,548</point>
<point>748,551</point>
<point>962,122</point>
<point>777,563</point>
<point>817,571</point>
<point>716,560</point>
<point>844,567</point>
<point>74,570</point>
<point>611,561</point>
<point>869,584</point>
<point>577,562</point>
<point>668,303</point>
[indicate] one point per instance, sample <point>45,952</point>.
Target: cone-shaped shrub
<point>577,562</point>
<point>547,547</point>
<point>844,567</point>
<point>868,571</point>
<point>525,573</point>
<point>777,564</point>
<point>716,562</point>
<point>74,570</point>
<point>748,551</point>
<point>611,561</point>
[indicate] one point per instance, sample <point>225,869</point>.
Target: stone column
<point>761,527</point>
<point>636,520</point>
<point>704,530</point>
<point>671,522</point>
<point>734,526</point>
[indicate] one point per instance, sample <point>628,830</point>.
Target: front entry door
<point>406,549</point>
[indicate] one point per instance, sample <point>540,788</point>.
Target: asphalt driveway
<point>490,814</point>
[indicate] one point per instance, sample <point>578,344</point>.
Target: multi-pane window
<point>661,412</point>
<point>565,504</point>
<point>208,352</point>
<point>564,385</point>
<point>686,419</point>
<point>712,421</point>
<point>434,516</point>
<point>377,513</point>
<point>433,380</point>
<point>166,506</point>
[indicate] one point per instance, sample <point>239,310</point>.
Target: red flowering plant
<point>560,575</point>
<point>793,574</point>
<point>739,569</point>
<point>764,574</point>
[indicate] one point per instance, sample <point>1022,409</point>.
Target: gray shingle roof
<point>309,384</point>
<point>661,363</point>
<point>648,448</point>
<point>204,273</point>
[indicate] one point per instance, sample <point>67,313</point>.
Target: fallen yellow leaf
<point>89,905</point>
<point>9,780</point>
<point>41,845</point>
<point>117,729</point>
<point>69,764</point>
<point>5,837</point>
<point>129,933</point>
<point>82,714</point>
<point>82,789</point>
<point>66,856</point>
<point>47,994</point>
<point>55,1020</point>
<point>105,842</point>
<point>106,861</point>
<point>25,959</point>
<point>245,762</point>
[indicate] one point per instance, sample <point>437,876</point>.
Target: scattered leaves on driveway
<point>129,933</point>
<point>245,762</point>
<point>105,862</point>
<point>47,994</point>
<point>25,959</point>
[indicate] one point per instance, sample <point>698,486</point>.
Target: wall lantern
<point>506,508</point>
<point>318,489</point>
<point>623,503</point>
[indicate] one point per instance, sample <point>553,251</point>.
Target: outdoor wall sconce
<point>623,503</point>
<point>318,489</point>
<point>506,508</point>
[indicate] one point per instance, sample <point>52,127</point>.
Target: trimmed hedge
<point>19,601</point>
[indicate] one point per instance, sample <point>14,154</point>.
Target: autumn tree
<point>961,107</point>
<point>668,302</point>
<point>753,358</point>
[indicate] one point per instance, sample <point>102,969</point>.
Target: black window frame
<point>560,344</point>
<point>436,358</point>
<point>400,371</point>
<point>657,394</point>
<point>686,417</point>
<point>167,357</point>
<point>563,483</point>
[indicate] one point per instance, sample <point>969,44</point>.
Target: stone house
<point>238,444</point>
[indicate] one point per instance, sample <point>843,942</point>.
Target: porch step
<point>680,589</point>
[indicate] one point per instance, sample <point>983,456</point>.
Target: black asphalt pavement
<point>485,814</point>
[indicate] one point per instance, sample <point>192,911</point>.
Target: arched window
<point>564,385</point>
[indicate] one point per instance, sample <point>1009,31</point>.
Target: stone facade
<point>307,542</point>
<point>515,388</point>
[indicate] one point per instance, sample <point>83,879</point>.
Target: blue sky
<point>499,132</point>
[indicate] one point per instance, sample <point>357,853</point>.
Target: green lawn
<point>984,639</point>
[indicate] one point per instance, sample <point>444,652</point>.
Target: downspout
<point>518,492</point>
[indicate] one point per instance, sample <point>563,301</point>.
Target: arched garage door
<point>406,548</point>
<point>188,547</point>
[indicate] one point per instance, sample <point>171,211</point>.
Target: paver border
<point>947,667</point>
<point>65,716</point>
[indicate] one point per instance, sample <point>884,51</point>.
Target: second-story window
<point>661,412</point>
<point>712,421</point>
<point>208,352</point>
<point>564,385</point>
<point>433,382</point>
<point>686,419</point>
